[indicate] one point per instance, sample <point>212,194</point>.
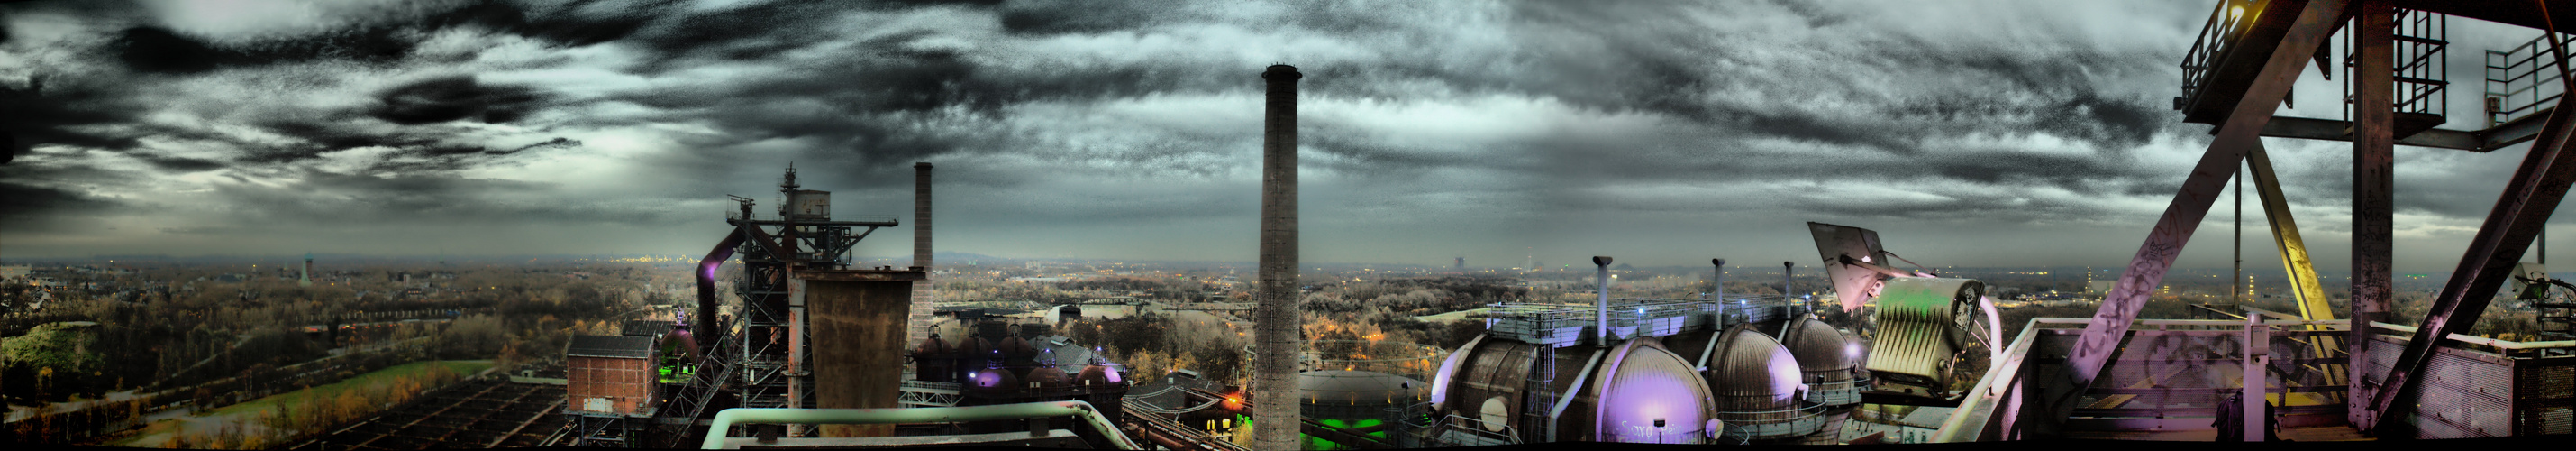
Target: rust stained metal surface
<point>2374,182</point>
<point>2238,132</point>
<point>2529,197</point>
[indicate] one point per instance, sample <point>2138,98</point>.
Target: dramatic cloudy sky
<point>1662,132</point>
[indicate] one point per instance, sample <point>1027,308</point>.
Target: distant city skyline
<point>1984,134</point>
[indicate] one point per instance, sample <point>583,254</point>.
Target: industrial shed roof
<point>619,347</point>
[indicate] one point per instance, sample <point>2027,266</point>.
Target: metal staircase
<point>671,424</point>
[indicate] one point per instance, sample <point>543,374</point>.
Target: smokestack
<point>1601,309</point>
<point>1274,367</point>
<point>1717,282</point>
<point>921,215</point>
<point>917,322</point>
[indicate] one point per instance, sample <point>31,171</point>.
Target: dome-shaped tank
<point>1099,375</point>
<point>976,353</point>
<point>1017,352</point>
<point>1644,393</point>
<point>1486,383</point>
<point>938,360</point>
<point>1756,383</point>
<point>1825,360</point>
<point>1049,378</point>
<point>992,380</point>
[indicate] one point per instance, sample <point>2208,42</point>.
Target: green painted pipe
<point>726,419</point>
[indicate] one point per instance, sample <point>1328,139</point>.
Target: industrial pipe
<point>726,419</point>
<point>1717,282</point>
<point>706,276</point>
<point>1602,307</point>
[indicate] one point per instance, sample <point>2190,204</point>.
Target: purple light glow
<point>1651,384</point>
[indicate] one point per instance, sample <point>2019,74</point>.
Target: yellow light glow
<point>2236,12</point>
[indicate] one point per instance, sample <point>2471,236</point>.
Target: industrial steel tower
<point>763,356</point>
<point>1275,413</point>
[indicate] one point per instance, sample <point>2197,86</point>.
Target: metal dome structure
<point>1098,374</point>
<point>1826,359</point>
<point>1048,378</point>
<point>1644,393</point>
<point>937,359</point>
<point>992,380</point>
<point>1757,385</point>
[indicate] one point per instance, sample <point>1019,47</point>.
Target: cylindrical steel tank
<point>1486,384</point>
<point>1017,352</point>
<point>993,381</point>
<point>1048,379</point>
<point>1757,388</point>
<point>936,359</point>
<point>1644,393</point>
<point>1095,375</point>
<point>1825,360</point>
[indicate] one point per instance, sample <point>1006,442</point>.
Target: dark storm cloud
<point>28,207</point>
<point>47,111</point>
<point>160,50</point>
<point>553,112</point>
<point>453,98</point>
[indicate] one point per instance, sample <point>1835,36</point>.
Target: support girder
<point>2285,236</point>
<point>2529,197</point>
<point>2238,132</point>
<point>2309,292</point>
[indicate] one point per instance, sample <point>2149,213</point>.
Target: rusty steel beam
<point>2294,260</point>
<point>2238,132</point>
<point>2528,199</point>
<point>2374,164</point>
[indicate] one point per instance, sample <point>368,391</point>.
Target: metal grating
<point>2548,395</point>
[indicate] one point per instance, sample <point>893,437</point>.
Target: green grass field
<point>328,391</point>
<point>153,435</point>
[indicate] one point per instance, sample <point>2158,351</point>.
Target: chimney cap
<point>1282,72</point>
<point>921,165</point>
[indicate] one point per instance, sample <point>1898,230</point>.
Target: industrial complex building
<point>822,355</point>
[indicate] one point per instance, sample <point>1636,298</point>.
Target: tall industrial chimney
<point>1601,309</point>
<point>1717,282</point>
<point>1276,410</point>
<point>918,325</point>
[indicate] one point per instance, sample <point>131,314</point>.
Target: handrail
<point>2498,344</point>
<point>727,418</point>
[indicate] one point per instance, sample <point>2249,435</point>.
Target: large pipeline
<point>706,316</point>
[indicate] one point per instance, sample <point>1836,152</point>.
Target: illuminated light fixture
<point>2236,12</point>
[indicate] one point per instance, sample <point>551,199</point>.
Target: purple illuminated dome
<point>1099,374</point>
<point>1641,384</point>
<point>993,380</point>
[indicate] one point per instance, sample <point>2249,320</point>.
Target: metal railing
<point>1769,424</point>
<point>2216,37</point>
<point>1499,433</point>
<point>1102,425</point>
<point>2522,80</point>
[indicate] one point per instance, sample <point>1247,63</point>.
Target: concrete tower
<point>919,325</point>
<point>1276,339</point>
<point>307,280</point>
